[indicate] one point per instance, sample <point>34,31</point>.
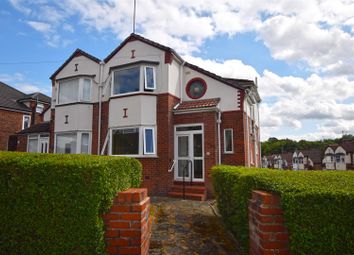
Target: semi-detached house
<point>145,101</point>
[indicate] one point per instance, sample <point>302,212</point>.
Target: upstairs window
<point>149,78</point>
<point>39,108</point>
<point>126,81</point>
<point>26,122</point>
<point>74,90</point>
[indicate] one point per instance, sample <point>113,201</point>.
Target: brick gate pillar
<point>127,224</point>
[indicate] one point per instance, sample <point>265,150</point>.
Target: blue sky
<point>302,52</point>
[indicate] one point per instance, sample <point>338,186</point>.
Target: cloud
<point>18,81</point>
<point>41,26</point>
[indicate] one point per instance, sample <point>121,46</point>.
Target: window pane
<point>149,78</point>
<point>198,169</point>
<point>126,81</point>
<point>183,146</point>
<point>125,141</point>
<point>189,128</point>
<point>66,144</point>
<point>228,140</point>
<point>149,141</point>
<point>68,91</point>
<point>86,91</point>
<point>33,145</point>
<point>26,121</point>
<point>84,143</point>
<point>39,108</point>
<point>198,145</point>
<point>183,167</point>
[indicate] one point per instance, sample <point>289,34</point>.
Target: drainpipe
<point>181,80</point>
<point>100,86</point>
<point>219,136</point>
<point>248,134</point>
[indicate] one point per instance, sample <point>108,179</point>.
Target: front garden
<point>318,205</point>
<point>52,203</point>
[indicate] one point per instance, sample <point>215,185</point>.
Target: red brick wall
<point>210,139</point>
<point>10,123</point>
<point>155,170</point>
<point>51,136</point>
<point>233,119</point>
<point>267,232</point>
<point>127,224</point>
<point>104,126</point>
<point>22,143</point>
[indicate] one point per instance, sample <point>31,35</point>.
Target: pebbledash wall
<point>237,104</point>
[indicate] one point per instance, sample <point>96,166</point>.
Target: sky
<point>302,52</point>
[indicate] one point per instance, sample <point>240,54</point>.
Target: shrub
<point>52,203</point>
<point>318,205</point>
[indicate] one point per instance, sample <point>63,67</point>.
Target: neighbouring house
<point>277,161</point>
<point>307,159</point>
<point>339,156</point>
<point>19,111</point>
<point>145,101</point>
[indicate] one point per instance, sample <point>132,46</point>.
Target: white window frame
<point>142,151</point>
<point>153,141</point>
<point>80,90</point>
<point>32,137</point>
<point>41,106</point>
<point>232,140</point>
<point>23,121</point>
<point>121,69</point>
<point>145,77</point>
<point>78,140</point>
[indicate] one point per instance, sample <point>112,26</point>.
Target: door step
<point>198,192</point>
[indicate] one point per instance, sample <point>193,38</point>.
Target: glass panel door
<point>189,154</point>
<point>43,145</point>
<point>183,156</point>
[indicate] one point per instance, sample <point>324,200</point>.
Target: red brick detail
<point>127,224</point>
<point>10,123</point>
<point>156,178</point>
<point>267,232</point>
<point>235,121</point>
<point>168,57</point>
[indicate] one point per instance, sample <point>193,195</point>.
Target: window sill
<point>228,152</point>
<point>138,93</point>
<point>79,102</point>
<point>136,156</point>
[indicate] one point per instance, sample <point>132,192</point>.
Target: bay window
<point>133,79</point>
<point>74,90</point>
<point>133,141</point>
<point>72,143</point>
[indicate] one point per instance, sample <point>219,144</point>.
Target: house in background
<point>145,101</point>
<point>19,111</point>
<point>277,161</point>
<point>339,156</point>
<point>307,159</point>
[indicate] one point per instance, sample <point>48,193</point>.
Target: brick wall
<point>10,123</point>
<point>210,140</point>
<point>127,224</point>
<point>155,170</point>
<point>104,126</point>
<point>267,232</point>
<point>233,119</point>
<point>51,136</point>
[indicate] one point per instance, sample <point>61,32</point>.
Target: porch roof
<point>198,104</point>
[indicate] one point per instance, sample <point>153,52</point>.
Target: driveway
<point>188,227</point>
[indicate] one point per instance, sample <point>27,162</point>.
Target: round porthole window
<point>196,88</point>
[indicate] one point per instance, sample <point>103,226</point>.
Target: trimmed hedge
<point>318,205</point>
<point>52,203</point>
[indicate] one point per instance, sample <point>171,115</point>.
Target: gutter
<point>100,86</point>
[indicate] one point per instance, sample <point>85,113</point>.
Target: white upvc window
<point>228,140</point>
<point>32,143</point>
<point>149,140</point>
<point>39,108</point>
<point>26,121</point>
<point>149,78</point>
<point>74,90</point>
<point>133,141</point>
<point>73,143</point>
<point>133,79</point>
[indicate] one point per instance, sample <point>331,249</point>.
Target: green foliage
<point>278,146</point>
<point>318,205</point>
<point>52,203</point>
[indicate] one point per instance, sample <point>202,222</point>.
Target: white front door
<point>189,153</point>
<point>43,144</point>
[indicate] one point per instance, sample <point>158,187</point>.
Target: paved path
<point>188,227</point>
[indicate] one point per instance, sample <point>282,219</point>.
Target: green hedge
<point>51,203</point>
<point>318,205</point>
